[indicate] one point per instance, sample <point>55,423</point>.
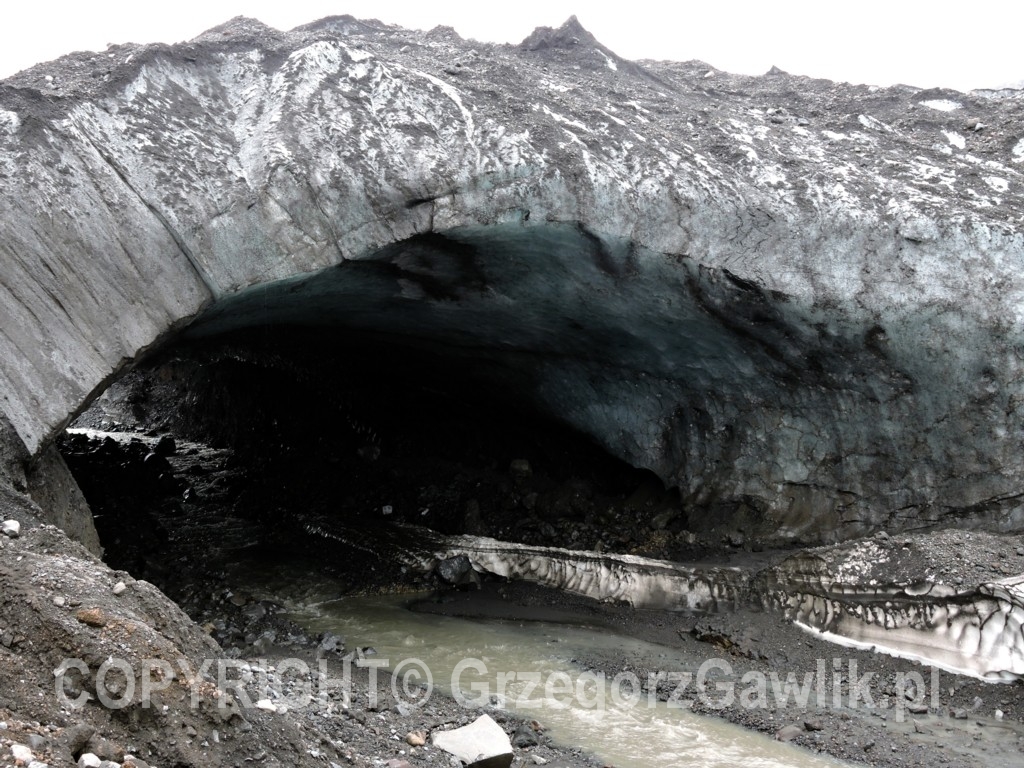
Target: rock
<point>130,761</point>
<point>75,738</point>
<point>165,446</point>
<point>38,743</point>
<point>538,760</point>
<point>60,601</point>
<point>661,521</point>
<point>105,749</point>
<point>11,528</point>
<point>960,714</point>
<point>89,760</point>
<point>813,725</point>
<point>254,611</point>
<point>454,570</point>
<point>22,754</point>
<point>330,643</point>
<point>119,588</point>
<point>266,705</point>
<point>788,732</point>
<point>525,736</point>
<point>520,469</point>
<point>481,744</point>
<point>396,764</point>
<point>93,617</point>
<point>416,738</point>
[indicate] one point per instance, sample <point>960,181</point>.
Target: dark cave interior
<point>277,431</point>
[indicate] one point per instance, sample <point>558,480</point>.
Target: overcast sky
<point>958,45</point>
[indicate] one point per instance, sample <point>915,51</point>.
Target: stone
<point>92,617</point>
<point>520,469</point>
<point>120,588</point>
<point>266,705</point>
<point>105,749</point>
<point>661,520</point>
<point>330,643</point>
<point>813,725</point>
<point>481,744</point>
<point>254,611</point>
<point>165,446</point>
<point>89,760</point>
<point>75,738</point>
<point>38,743</point>
<point>10,528</point>
<point>525,736</point>
<point>22,754</point>
<point>454,570</point>
<point>416,738</point>
<point>788,733</point>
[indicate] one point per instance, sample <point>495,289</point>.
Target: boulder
<point>481,744</point>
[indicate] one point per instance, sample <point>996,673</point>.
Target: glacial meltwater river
<point>529,667</point>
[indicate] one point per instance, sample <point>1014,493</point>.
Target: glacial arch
<point>795,320</point>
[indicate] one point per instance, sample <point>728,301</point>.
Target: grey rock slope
<point>797,301</point>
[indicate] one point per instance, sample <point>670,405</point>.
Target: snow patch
<point>873,123</point>
<point>942,105</point>
<point>551,85</point>
<point>610,62</point>
<point>613,118</point>
<point>562,118</point>
<point>9,121</point>
<point>956,139</point>
<point>998,184</point>
<point>467,116</point>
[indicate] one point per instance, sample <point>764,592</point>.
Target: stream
<point>528,668</point>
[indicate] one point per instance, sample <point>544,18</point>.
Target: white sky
<point>959,45</point>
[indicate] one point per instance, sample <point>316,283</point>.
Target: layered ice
<point>977,631</point>
<point>637,581</point>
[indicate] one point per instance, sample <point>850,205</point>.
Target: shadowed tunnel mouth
<point>282,429</point>
<point>480,381</point>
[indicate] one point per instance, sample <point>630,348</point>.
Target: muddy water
<point>528,668</point>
